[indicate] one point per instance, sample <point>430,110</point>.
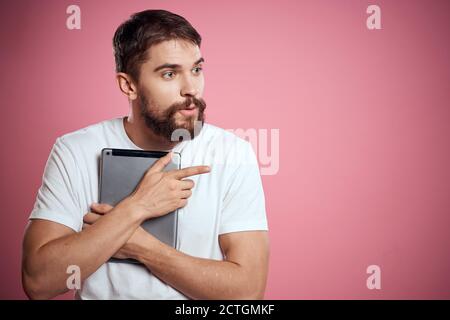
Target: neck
<point>142,136</point>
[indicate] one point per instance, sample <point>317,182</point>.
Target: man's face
<point>170,88</point>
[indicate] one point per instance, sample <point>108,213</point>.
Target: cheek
<point>164,94</point>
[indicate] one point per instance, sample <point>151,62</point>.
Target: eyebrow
<point>175,66</point>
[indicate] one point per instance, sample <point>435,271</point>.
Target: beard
<point>164,124</point>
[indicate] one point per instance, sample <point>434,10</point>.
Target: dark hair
<point>135,36</point>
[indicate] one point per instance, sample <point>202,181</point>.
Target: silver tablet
<point>121,171</point>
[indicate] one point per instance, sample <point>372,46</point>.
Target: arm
<point>49,248</point>
<point>242,275</point>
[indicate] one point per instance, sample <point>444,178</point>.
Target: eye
<point>168,75</point>
<point>197,70</point>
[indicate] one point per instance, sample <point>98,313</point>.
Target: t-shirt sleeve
<point>56,199</point>
<point>244,203</point>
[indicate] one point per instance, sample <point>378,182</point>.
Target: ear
<point>126,85</point>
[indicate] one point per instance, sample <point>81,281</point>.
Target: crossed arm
<point>242,275</point>
<point>49,248</point>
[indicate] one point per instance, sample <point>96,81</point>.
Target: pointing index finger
<point>190,171</point>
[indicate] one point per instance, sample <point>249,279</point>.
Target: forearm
<point>46,269</point>
<point>197,278</point>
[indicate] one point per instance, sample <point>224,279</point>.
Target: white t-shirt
<point>230,198</point>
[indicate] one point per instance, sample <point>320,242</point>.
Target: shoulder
<point>89,136</point>
<point>223,137</point>
<point>227,146</point>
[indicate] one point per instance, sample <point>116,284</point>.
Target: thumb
<point>159,165</point>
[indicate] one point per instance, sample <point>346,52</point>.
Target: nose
<point>189,89</point>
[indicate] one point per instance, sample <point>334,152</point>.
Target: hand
<point>97,211</point>
<point>132,246</point>
<point>160,192</point>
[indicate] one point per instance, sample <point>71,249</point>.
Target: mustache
<point>199,103</point>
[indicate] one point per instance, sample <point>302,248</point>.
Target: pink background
<point>363,115</point>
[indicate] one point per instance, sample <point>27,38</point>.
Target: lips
<point>191,107</point>
<point>189,111</point>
